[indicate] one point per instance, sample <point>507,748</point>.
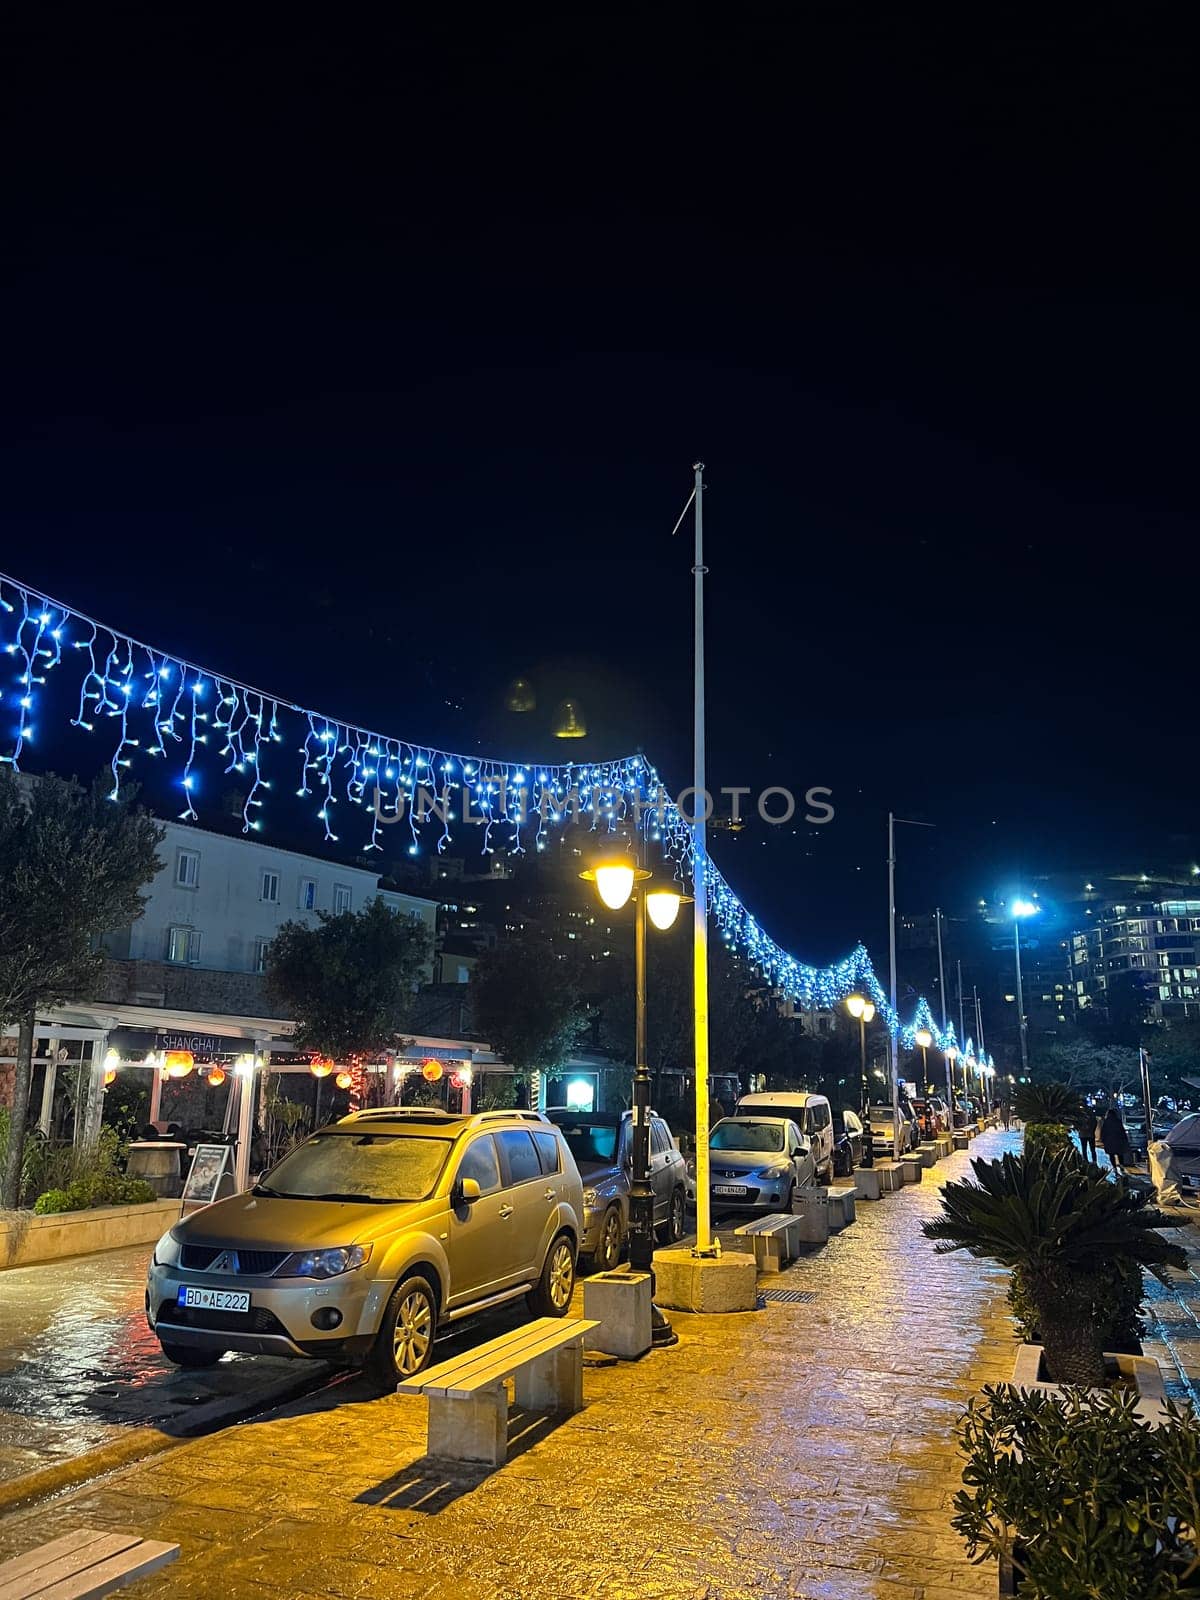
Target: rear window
<point>520,1154</point>
<point>547,1149</point>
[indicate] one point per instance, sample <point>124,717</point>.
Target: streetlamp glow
<point>1024,908</point>
<point>924,1038</point>
<point>855,1005</point>
<point>868,1011</point>
<point>662,907</point>
<point>614,885</point>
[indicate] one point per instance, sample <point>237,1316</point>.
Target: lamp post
<point>1021,908</point>
<point>863,1011</point>
<point>924,1038</point>
<point>617,882</point>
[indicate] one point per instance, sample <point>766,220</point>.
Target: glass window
<point>341,898</point>
<point>593,1144</point>
<point>269,888</point>
<point>183,945</point>
<point>766,1137</point>
<point>308,894</point>
<point>547,1149</point>
<point>480,1162</point>
<point>374,1167</point>
<point>819,1114</point>
<point>187,868</point>
<point>660,1139</point>
<point>519,1155</point>
<point>260,955</point>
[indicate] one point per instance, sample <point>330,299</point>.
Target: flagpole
<point>704,1244</point>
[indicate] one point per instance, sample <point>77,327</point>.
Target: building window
<point>269,888</point>
<point>260,955</point>
<point>341,898</point>
<point>187,868</point>
<point>308,894</point>
<point>183,946</point>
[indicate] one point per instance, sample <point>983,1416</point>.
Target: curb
<point>140,1443</point>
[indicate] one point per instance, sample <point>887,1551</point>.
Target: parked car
<point>602,1145</point>
<point>811,1113</point>
<point>848,1136</point>
<point>880,1119</point>
<point>755,1164</point>
<point>370,1237</point>
<point>933,1114</point>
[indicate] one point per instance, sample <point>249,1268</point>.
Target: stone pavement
<point>800,1451</point>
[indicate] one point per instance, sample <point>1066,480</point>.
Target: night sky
<point>368,364</point>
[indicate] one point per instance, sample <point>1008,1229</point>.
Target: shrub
<point>1115,1309</point>
<point>1080,1495</point>
<point>1068,1230</point>
<point>54,1200</point>
<point>1046,1102</point>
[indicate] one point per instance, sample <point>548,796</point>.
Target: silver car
<point>756,1164</point>
<point>602,1144</point>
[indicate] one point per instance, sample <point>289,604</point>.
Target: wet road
<point>78,1365</point>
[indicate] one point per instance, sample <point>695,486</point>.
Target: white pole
<point>894,1033</point>
<point>700,890</point>
<point>245,1083</point>
<point>948,1060</point>
<point>46,1119</point>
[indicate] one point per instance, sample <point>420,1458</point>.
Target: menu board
<point>210,1163</point>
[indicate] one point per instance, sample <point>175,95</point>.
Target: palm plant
<point>1049,1111</point>
<point>1068,1231</point>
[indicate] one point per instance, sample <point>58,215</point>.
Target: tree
<point>1086,1064</point>
<point>347,983</point>
<point>73,862</point>
<point>528,1002</point>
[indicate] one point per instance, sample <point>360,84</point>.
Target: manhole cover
<point>787,1297</point>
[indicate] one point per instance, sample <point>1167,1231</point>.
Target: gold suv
<point>369,1237</point>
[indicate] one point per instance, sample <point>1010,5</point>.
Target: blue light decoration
<point>159,707</point>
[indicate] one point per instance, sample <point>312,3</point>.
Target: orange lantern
<point>216,1076</point>
<point>178,1063</point>
<point>344,1080</point>
<point>321,1067</point>
<point>110,1076</point>
<point>431,1071</point>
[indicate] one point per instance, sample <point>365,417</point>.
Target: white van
<point>810,1112</point>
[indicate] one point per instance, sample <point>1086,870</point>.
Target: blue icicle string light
<point>161,707</point>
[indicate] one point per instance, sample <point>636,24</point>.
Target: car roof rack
<point>521,1116</point>
<point>412,1113</point>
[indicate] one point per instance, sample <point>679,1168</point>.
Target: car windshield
<point>593,1144</point>
<point>376,1168</point>
<point>766,1137</point>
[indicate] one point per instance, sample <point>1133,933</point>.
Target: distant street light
<point>1019,909</point>
<point>924,1038</point>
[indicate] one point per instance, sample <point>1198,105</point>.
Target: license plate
<point>729,1188</point>
<point>214,1299</point>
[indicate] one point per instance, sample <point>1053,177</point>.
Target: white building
<point>219,901</point>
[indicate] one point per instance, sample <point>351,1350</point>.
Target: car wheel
<point>608,1251</point>
<point>674,1227</point>
<point>790,1198</point>
<point>186,1355</point>
<point>552,1297</point>
<point>404,1344</point>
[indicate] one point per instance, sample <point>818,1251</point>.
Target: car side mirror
<point>468,1191</point>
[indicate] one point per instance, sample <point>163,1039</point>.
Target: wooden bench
<point>81,1565</point>
<point>468,1397</point>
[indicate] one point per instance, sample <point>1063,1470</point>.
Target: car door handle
<point>548,1194</point>
<point>505,1211</point>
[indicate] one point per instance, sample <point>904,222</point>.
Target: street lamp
<point>951,1058</point>
<point>924,1038</point>
<point>1019,909</point>
<point>863,1011</point>
<point>617,882</point>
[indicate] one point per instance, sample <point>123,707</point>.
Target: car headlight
<point>324,1263</point>
<point>691,1166</point>
<point>167,1250</point>
<point>589,1198</point>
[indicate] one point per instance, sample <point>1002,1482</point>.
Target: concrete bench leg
<point>868,1184</point>
<point>470,1429</point>
<point>553,1382</point>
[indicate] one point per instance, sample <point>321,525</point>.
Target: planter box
<point>1142,1370</point>
<point>26,1239</point>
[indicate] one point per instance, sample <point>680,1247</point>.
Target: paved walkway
<point>801,1451</point>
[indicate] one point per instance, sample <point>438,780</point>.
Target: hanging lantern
<point>569,721</point>
<point>431,1071</point>
<point>344,1080</point>
<point>110,1076</point>
<point>178,1063</point>
<point>215,1076</point>
<point>519,696</point>
<point>321,1067</point>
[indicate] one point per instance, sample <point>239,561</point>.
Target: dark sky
<point>367,362</point>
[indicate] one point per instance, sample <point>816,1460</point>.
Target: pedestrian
<point>1085,1127</point>
<point>1115,1140</point>
<point>1005,1115</point>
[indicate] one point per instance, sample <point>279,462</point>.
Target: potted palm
<point>1049,1112</point>
<point>1069,1232</point>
